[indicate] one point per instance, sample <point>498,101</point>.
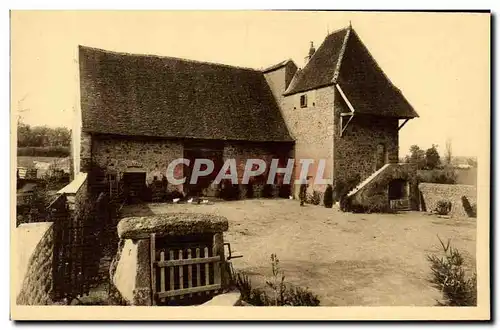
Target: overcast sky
<point>439,61</point>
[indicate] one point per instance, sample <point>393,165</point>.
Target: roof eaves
<point>288,93</point>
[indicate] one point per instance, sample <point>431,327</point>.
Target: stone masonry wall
<point>115,154</point>
<point>355,151</point>
<point>313,130</point>
<point>85,151</point>
<point>434,192</point>
<point>34,255</point>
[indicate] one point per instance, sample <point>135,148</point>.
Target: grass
<point>347,259</point>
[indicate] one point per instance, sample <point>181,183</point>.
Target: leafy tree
<point>432,159</point>
<point>417,156</point>
<point>42,136</point>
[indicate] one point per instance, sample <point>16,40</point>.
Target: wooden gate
<point>184,275</point>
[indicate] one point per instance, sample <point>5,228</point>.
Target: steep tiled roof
<point>321,67</point>
<point>276,66</point>
<point>145,95</point>
<point>343,58</point>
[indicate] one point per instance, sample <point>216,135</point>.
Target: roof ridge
<point>276,66</point>
<point>341,55</point>
<point>170,57</point>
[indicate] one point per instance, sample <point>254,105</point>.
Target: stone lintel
<point>171,224</point>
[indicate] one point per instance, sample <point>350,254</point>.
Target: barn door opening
<point>203,184</point>
<point>134,186</point>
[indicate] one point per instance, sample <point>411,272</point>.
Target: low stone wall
<point>431,193</point>
<point>35,245</point>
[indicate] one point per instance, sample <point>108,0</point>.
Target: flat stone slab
<point>171,224</point>
<point>224,299</point>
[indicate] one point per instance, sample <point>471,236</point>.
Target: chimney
<point>312,50</point>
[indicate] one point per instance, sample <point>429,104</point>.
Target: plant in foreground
<point>448,276</point>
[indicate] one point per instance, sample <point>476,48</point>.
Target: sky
<point>440,61</point>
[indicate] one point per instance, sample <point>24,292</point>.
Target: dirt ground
<point>346,259</point>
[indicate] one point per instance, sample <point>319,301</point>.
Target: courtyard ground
<point>346,259</point>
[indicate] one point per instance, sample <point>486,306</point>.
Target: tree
<point>42,136</point>
<point>417,156</point>
<point>448,154</point>
<point>432,159</point>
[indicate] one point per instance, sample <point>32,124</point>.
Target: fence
<point>80,237</point>
<point>186,272</point>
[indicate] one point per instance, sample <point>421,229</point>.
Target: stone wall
<point>35,245</point>
<point>85,151</point>
<point>431,193</point>
<point>355,150</point>
<point>116,154</point>
<point>313,129</point>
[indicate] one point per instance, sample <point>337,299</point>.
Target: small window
<point>303,101</point>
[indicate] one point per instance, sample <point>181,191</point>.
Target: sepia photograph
<point>321,165</point>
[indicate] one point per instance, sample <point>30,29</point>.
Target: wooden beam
<point>344,97</point>
<point>344,127</point>
<point>404,123</point>
<point>185,262</point>
<point>182,292</point>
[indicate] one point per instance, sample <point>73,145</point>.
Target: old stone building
<point>139,112</point>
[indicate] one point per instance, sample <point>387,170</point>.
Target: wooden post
<point>198,271</point>
<point>207,269</point>
<point>190,272</point>
<point>153,267</point>
<point>181,275</point>
<point>218,250</point>
<point>171,269</point>
<point>162,275</point>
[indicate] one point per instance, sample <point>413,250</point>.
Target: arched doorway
<point>399,193</point>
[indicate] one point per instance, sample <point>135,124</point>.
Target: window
<point>303,101</point>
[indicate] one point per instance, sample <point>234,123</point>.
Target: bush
<point>315,198</point>
<point>471,210</point>
<point>448,276</point>
<point>282,293</point>
<point>443,207</point>
<point>51,151</point>
<point>328,197</point>
<point>443,176</point>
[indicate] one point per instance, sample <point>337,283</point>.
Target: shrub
<point>50,151</point>
<point>448,276</point>
<point>344,186</point>
<point>328,197</point>
<point>443,176</point>
<point>282,293</point>
<point>471,210</point>
<point>443,207</point>
<point>315,198</point>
